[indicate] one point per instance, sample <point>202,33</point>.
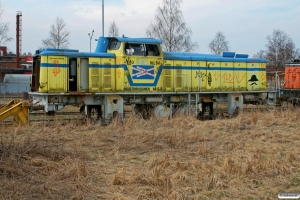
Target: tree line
<point>170,27</point>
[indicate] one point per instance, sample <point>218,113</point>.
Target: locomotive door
<point>213,75</point>
<point>182,76</point>
<point>240,76</point>
<point>57,74</point>
<point>253,78</point>
<point>179,77</point>
<point>263,76</point>
<point>82,79</point>
<point>198,76</point>
<point>35,74</point>
<point>227,79</point>
<point>168,76</point>
<point>143,64</point>
<point>73,74</point>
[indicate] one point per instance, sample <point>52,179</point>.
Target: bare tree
<point>260,54</point>
<point>280,48</point>
<point>59,35</point>
<point>169,26</point>
<point>4,27</point>
<point>113,30</point>
<point>219,44</point>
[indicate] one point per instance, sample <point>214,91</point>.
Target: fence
<point>14,86</point>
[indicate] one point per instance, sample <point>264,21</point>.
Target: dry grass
<point>252,156</point>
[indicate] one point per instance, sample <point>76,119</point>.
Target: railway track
<point>64,117</point>
<point>42,117</point>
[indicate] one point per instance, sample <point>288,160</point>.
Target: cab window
<point>114,45</point>
<point>134,49</point>
<point>152,50</point>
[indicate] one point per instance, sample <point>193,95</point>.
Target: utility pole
<point>103,18</point>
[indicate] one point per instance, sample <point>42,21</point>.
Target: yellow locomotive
<point>136,71</point>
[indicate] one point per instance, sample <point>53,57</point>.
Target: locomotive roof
<point>103,42</point>
<point>138,40</point>
<point>212,58</point>
<point>72,53</point>
<point>226,57</point>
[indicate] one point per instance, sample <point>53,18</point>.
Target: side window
<point>133,49</point>
<point>152,50</point>
<point>114,45</point>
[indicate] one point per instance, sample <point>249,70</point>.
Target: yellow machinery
<point>17,109</point>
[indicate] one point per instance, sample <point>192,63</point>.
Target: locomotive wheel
<point>207,111</point>
<point>142,110</point>
<point>115,114</point>
<point>93,113</point>
<point>236,112</point>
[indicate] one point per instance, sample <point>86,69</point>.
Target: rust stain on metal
<point>206,99</point>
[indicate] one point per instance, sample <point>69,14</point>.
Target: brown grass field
<point>252,156</point>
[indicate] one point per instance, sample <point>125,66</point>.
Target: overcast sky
<point>245,23</point>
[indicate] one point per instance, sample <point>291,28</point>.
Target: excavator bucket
<point>17,109</point>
